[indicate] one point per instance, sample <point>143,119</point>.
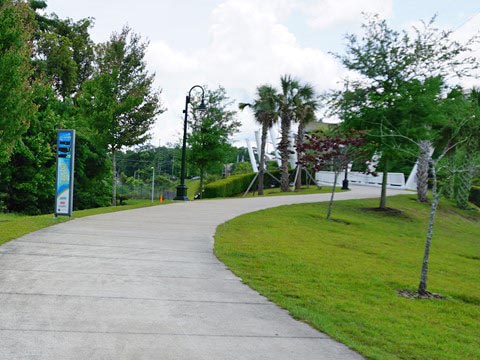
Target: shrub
<point>475,195</point>
<point>228,187</point>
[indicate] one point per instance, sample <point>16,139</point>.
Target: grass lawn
<point>312,189</point>
<point>342,276</point>
<point>13,226</point>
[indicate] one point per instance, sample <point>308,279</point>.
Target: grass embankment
<point>312,189</point>
<point>13,226</point>
<point>342,277</point>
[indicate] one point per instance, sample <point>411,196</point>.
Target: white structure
<point>394,180</point>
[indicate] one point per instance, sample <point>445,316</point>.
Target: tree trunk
<point>114,178</point>
<point>422,171</point>
<point>383,196</point>
<point>261,170</point>
<point>300,136</point>
<point>284,153</point>
<point>330,204</point>
<point>422,287</point>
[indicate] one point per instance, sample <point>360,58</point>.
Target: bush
<point>475,195</point>
<point>237,184</point>
<point>228,187</point>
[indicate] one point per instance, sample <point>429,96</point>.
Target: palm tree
<point>265,110</point>
<point>306,104</point>
<point>286,106</point>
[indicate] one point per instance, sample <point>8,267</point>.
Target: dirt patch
<point>411,294</point>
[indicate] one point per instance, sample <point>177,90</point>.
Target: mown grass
<point>13,226</point>
<point>342,276</point>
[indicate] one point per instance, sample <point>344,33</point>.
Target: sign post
<point>65,163</point>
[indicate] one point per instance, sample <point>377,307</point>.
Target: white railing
<point>394,180</point>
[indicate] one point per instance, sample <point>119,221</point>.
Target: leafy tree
<point>16,94</point>
<point>210,132</point>
<point>265,109</point>
<point>386,62</point>
<point>119,103</point>
<point>31,170</point>
<point>331,151</point>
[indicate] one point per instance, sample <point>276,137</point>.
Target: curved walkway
<point>144,284</point>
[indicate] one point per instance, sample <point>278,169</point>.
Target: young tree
<point>332,151</point>
<point>210,132</point>
<point>16,102</point>
<point>265,109</point>
<point>119,103</point>
<point>385,60</point>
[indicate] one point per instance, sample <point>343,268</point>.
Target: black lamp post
<point>345,180</point>
<point>182,188</point>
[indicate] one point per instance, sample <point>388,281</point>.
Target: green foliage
<point>209,146</point>
<point>242,168</point>
<point>475,195</point>
<point>92,171</point>
<point>228,187</point>
<point>342,277</point>
<point>16,105</point>
<point>119,103</point>
<point>30,173</point>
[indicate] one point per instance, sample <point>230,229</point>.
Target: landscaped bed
<point>344,277</point>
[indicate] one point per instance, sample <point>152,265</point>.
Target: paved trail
<point>144,284</point>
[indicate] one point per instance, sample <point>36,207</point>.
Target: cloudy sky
<point>241,44</point>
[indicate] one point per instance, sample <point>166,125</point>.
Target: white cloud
<point>325,13</point>
<point>248,46</point>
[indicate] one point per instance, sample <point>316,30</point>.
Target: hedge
<point>230,186</point>
<point>475,195</point>
<point>237,184</point>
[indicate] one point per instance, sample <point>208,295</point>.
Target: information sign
<point>65,162</point>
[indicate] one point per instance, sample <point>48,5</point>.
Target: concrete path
<point>144,284</point>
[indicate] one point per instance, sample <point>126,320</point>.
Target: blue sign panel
<point>65,162</point>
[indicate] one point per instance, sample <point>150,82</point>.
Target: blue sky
<point>241,44</point>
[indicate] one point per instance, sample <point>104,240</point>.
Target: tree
<point>16,94</point>
<point>332,151</point>
<point>306,104</point>
<point>265,110</point>
<point>210,132</point>
<point>119,103</point>
<point>286,107</point>
<point>385,61</point>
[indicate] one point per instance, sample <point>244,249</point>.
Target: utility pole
<point>153,181</point>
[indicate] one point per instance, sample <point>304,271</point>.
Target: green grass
<point>312,189</point>
<point>193,188</point>
<point>342,276</point>
<point>13,226</point>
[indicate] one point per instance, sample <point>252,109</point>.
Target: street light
<point>182,188</point>
<point>345,180</point>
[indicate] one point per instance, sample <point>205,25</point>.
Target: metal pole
<point>182,188</point>
<point>345,180</point>
<point>153,181</point>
